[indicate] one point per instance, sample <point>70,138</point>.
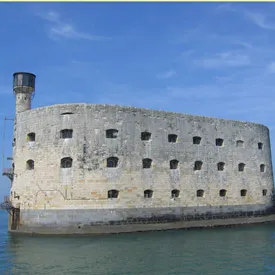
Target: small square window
<point>113,194</point>
<point>241,167</point>
<point>260,146</point>
<point>219,142</point>
<point>200,193</point>
<point>240,143</point>
<point>111,133</point>
<point>145,136</point>
<point>175,193</point>
<point>220,166</point>
<point>148,193</point>
<point>172,138</point>
<point>198,165</point>
<point>31,137</point>
<point>196,140</point>
<point>66,133</point>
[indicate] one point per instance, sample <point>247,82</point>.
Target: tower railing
<point>8,172</point>
<point>6,204</point>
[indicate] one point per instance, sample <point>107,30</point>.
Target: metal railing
<point>6,204</point>
<point>6,199</point>
<point>8,172</point>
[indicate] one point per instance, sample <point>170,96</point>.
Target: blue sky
<point>212,59</point>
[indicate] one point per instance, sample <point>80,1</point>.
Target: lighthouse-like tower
<point>24,88</point>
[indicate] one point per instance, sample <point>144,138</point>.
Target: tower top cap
<point>24,73</point>
<point>23,82</point>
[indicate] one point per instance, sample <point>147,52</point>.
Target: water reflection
<point>239,250</point>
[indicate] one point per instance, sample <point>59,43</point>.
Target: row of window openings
<point>112,133</point>
<point>112,162</point>
<point>176,193</point>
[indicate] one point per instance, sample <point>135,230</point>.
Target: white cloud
<point>167,74</point>
<point>225,59</point>
<point>60,29</point>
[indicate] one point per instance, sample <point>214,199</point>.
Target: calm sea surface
<point>238,250</point>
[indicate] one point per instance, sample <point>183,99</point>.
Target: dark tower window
<point>222,193</point>
<point>196,140</point>
<point>243,192</point>
<point>31,137</point>
<point>174,164</point>
<point>112,162</point>
<point>240,143</point>
<point>260,146</point>
<point>111,133</point>
<point>146,163</point>
<point>262,168</point>
<point>14,142</point>
<point>148,193</point>
<point>219,142</point>
<point>175,193</point>
<point>172,138</point>
<point>220,166</point>
<point>145,136</point>
<point>241,167</point>
<point>30,164</point>
<point>264,192</point>
<point>66,133</point>
<point>113,194</point>
<point>200,193</point>
<point>66,162</point>
<point>198,165</point>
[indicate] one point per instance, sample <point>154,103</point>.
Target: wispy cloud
<point>239,42</point>
<point>224,7</point>
<point>195,92</point>
<point>60,29</point>
<point>225,59</point>
<point>271,67</point>
<point>51,16</point>
<point>260,19</point>
<point>167,74</point>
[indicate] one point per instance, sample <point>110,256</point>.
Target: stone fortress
<point>89,168</point>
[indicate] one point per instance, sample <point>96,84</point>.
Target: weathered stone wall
<point>23,102</point>
<point>85,185</point>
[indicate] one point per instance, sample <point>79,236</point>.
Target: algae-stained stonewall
<point>90,168</point>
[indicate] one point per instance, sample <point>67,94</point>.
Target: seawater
<point>237,250</point>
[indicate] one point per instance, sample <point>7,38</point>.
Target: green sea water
<point>237,250</point>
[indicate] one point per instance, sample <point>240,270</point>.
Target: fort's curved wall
<point>47,192</point>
